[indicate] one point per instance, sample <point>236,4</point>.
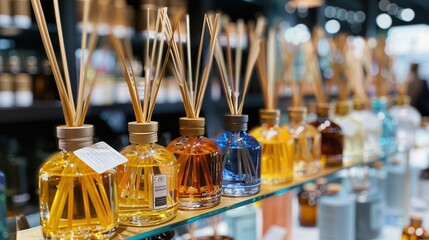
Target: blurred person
<point>418,90</point>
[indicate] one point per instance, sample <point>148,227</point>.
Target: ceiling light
<point>330,12</point>
<point>407,14</point>
<point>384,21</point>
<point>360,17</point>
<point>332,26</point>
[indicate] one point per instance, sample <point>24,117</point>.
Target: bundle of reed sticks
<point>384,77</point>
<point>93,189</point>
<point>355,74</point>
<point>312,66</point>
<point>265,65</point>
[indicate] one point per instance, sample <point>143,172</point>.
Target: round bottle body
<point>332,141</point>
<point>147,185</point>
<point>75,201</point>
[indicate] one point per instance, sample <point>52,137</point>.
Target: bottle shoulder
<point>237,138</point>
<point>277,133</point>
<point>148,154</point>
<point>193,145</point>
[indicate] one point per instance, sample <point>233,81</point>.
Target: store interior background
<point>27,132</point>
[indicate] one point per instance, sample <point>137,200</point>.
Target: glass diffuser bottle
<point>388,126</point>
<point>307,143</point>
<point>200,166</point>
<point>307,199</point>
<point>241,156</point>
<point>277,148</point>
<point>408,120</point>
<point>332,137</point>
<point>352,131</point>
<point>372,129</point>
<point>76,201</point>
<point>148,180</point>
<point>415,230</point>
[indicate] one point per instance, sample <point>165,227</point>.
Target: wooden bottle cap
<point>296,114</point>
<point>191,126</point>
<point>334,188</point>
<point>321,181</point>
<point>236,123</point>
<point>342,108</point>
<point>270,116</point>
<point>143,133</point>
<point>73,138</point>
<point>322,109</point>
<point>310,187</point>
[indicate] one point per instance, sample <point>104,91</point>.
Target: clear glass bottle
<point>372,129</point>
<point>200,166</point>
<point>388,126</point>
<point>307,200</point>
<point>408,120</point>
<point>307,143</point>
<point>353,134</point>
<point>332,137</point>
<point>75,201</point>
<point>241,158</point>
<point>277,148</point>
<point>414,230</point>
<point>148,180</point>
<point>3,210</point>
<point>336,214</point>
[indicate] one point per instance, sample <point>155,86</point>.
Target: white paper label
<point>100,157</point>
<point>159,191</point>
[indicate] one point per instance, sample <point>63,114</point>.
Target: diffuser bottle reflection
<point>241,155</point>
<point>332,137</point>
<point>307,199</point>
<point>307,142</point>
<point>415,230</point>
<point>200,166</point>
<point>75,201</point>
<point>277,149</point>
<point>148,180</point>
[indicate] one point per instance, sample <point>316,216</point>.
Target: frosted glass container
<point>148,180</point>
<point>200,166</point>
<point>353,133</point>
<point>388,126</point>
<point>336,215</point>
<point>408,121</point>
<point>277,149</point>
<point>372,130</point>
<point>241,158</point>
<point>75,201</point>
<point>369,213</point>
<point>307,143</point>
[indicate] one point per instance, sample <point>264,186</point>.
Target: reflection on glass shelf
<point>185,217</point>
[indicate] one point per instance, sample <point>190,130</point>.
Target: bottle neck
<point>297,115</point>
<point>270,117</point>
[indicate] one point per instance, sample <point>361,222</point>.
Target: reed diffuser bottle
<point>352,131</point>
<point>199,158</point>
<point>241,152</point>
<point>148,180</point>
<point>388,126</point>
<point>332,137</point>
<point>307,143</point>
<point>276,142</point>
<point>75,200</point>
<point>372,129</point>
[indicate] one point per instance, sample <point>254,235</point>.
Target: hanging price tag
<point>100,157</point>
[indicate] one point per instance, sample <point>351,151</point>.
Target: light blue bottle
<point>241,158</point>
<point>336,214</point>
<point>242,222</point>
<point>388,129</point>
<point>3,217</point>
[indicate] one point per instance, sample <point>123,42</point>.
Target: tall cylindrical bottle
<point>336,215</point>
<point>75,201</point>
<point>332,137</point>
<point>307,143</point>
<point>241,158</point>
<point>277,148</point>
<point>148,180</point>
<point>200,166</point>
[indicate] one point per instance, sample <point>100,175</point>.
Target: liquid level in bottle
<point>277,162</point>
<point>75,201</point>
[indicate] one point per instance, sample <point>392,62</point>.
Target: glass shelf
<point>185,217</point>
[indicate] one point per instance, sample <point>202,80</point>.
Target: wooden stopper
<point>73,138</point>
<point>143,133</point>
